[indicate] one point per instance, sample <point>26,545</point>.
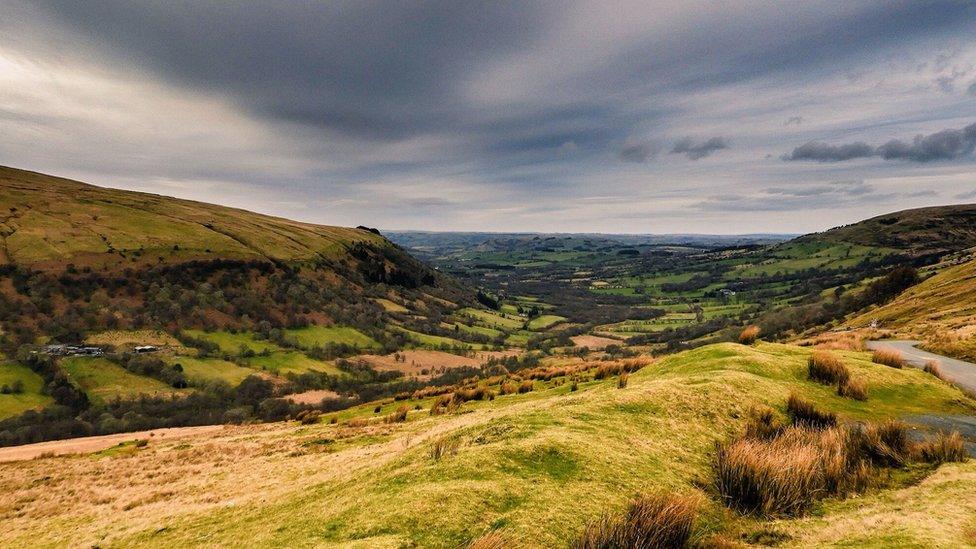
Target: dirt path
<point>960,372</point>
<point>86,445</point>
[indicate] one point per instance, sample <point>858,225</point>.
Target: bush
<point>826,368</point>
<point>653,521</point>
<point>853,388</point>
<point>749,335</point>
<point>942,449</point>
<point>804,414</point>
<point>888,357</point>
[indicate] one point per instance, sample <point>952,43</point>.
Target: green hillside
<point>47,220</point>
<point>535,468</point>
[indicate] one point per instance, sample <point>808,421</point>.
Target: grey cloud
<point>827,195</point>
<point>697,151</point>
<point>638,152</point>
<point>943,145</point>
<point>793,121</point>
<point>966,195</point>
<point>972,89</point>
<point>824,152</point>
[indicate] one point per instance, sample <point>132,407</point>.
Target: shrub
<point>853,388</point>
<point>652,521</point>
<point>749,335</point>
<point>888,357</point>
<point>398,416</point>
<point>826,368</point>
<point>309,417</point>
<point>803,413</point>
<point>942,448</point>
<point>622,380</point>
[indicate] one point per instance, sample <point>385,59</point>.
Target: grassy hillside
<point>936,229</point>
<point>534,467</point>
<point>47,220</point>
<point>28,398</point>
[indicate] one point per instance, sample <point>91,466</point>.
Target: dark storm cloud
<point>948,144</point>
<point>697,151</point>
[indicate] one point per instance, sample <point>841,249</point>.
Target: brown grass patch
<point>942,448</point>
<point>932,367</point>
<point>763,424</point>
<point>888,357</point>
<point>443,447</point>
<point>749,335</point>
<point>622,380</point>
<point>397,416</point>
<point>824,367</point>
<point>652,521</point>
<point>803,413</point>
<point>853,388</point>
<point>491,540</point>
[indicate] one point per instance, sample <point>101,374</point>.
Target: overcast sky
<point>575,116</point>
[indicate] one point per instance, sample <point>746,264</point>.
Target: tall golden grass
<point>943,448</point>
<point>853,388</point>
<point>653,521</point>
<point>749,335</point>
<point>804,413</point>
<point>824,367</point>
<point>888,357</point>
<point>491,540</point>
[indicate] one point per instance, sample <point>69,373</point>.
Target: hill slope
<point>47,220</point>
<point>921,231</point>
<point>536,467</point>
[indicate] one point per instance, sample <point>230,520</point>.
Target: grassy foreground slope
<point>46,219</point>
<point>534,467</point>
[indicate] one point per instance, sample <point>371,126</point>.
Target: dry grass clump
<point>508,388</point>
<point>357,422</point>
<point>749,335</point>
<point>803,413</point>
<point>763,424</point>
<point>622,380</point>
<point>942,449</point>
<point>526,387</point>
<point>652,521</point>
<point>888,357</point>
<point>784,475</point>
<point>309,417</point>
<point>397,416</point>
<point>824,367</point>
<point>609,369</point>
<point>443,447</point>
<point>884,444</point>
<point>491,540</point>
<point>479,392</point>
<point>932,367</point>
<point>853,388</point>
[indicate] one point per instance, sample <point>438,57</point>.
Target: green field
<point>321,336</point>
<point>545,321</point>
<point>232,343</point>
<point>103,381</point>
<point>285,362</point>
<point>199,370</point>
<point>435,341</point>
<point>493,319</point>
<point>31,397</point>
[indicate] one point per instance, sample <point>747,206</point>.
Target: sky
<point>712,116</point>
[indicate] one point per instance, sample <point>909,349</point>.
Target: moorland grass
<point>888,357</point>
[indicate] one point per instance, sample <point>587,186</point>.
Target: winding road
<point>960,372</point>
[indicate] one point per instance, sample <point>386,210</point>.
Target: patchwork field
<point>322,336</point>
<point>29,397</point>
<point>199,370</point>
<point>232,343</point>
<point>102,380</point>
<point>534,468</point>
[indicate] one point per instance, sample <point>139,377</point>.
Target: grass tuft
<point>749,335</point>
<point>888,357</point>
<point>622,380</point>
<point>942,448</point>
<point>491,540</point>
<point>853,388</point>
<point>803,413</point>
<point>824,367</point>
<point>652,521</point>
